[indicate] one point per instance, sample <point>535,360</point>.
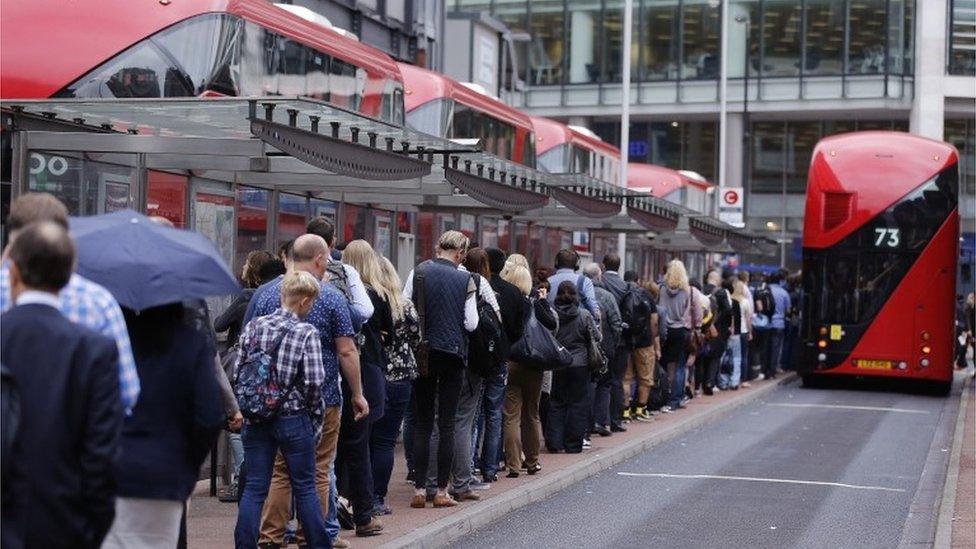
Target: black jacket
<point>575,326</point>
<point>175,421</point>
<point>63,479</point>
<point>232,319</point>
<point>513,305</point>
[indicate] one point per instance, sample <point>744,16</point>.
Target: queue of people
<point>480,364</point>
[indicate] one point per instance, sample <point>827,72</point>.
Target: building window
<point>701,28</point>
<point>514,14</point>
<point>677,145</point>
<point>824,37</point>
<point>962,44</point>
<point>866,52</point>
<point>781,38</point>
<point>547,49</point>
<point>658,49</point>
<point>962,134</point>
<point>585,45</point>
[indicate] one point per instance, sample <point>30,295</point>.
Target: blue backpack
<point>256,387</point>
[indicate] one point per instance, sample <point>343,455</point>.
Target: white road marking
<point>772,480</point>
<point>845,407</point>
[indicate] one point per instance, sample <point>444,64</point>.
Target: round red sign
<point>731,198</point>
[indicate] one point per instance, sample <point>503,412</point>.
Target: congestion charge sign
<point>730,210</point>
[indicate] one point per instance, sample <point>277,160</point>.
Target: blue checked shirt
<point>330,316</point>
<point>92,306</point>
<point>300,352</point>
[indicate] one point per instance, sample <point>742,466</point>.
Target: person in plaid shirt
<point>295,429</point>
<point>81,301</point>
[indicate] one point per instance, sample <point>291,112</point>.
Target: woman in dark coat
<point>568,411</point>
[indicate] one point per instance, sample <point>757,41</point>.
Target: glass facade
<point>677,145</point>
<point>962,42</point>
<point>579,42</point>
<point>961,132</point>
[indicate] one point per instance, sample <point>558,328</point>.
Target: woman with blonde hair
<point>683,315</point>
<point>353,453</point>
<point>522,427</point>
<point>401,370</point>
<point>515,260</point>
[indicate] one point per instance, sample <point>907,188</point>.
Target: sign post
<point>730,206</point>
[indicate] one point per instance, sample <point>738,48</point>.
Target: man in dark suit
<point>62,490</point>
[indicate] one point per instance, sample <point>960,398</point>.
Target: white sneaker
<point>587,443</point>
<point>665,409</point>
<point>716,390</point>
<point>760,377</point>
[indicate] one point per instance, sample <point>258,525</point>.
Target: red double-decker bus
<point>203,48</point>
<point>880,247</point>
<point>573,149</point>
<point>443,107</point>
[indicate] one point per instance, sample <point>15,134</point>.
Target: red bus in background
<point>880,248</point>
<point>440,106</point>
<point>153,49</point>
<point>572,149</point>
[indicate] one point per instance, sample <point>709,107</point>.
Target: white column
<point>928,106</point>
<point>625,115</point>
<point>723,106</point>
<point>582,43</point>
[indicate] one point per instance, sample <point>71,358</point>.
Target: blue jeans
<point>677,341</point>
<point>774,353</point>
<point>383,437</point>
<point>733,354</point>
<point>491,448</point>
<point>295,437</point>
<point>237,452</point>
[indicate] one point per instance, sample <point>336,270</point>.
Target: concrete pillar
<point>734,149</point>
<point>928,106</point>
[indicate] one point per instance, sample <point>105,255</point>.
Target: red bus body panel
<point>46,45</point>
<point>658,180</point>
<point>880,168</point>
<point>422,86</point>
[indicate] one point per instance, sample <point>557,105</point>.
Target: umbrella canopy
<point>145,264</point>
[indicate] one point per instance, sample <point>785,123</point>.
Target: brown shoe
<point>468,495</point>
<point>340,543</point>
<point>444,501</point>
<point>419,501</point>
<point>372,528</point>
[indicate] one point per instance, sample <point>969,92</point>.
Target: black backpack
<point>339,279</point>
<point>764,296</point>
<point>661,391</point>
<point>635,311</point>
<point>489,344</point>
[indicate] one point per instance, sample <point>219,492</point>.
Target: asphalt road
<point>801,468</point>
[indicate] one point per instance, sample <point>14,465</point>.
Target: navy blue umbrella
<point>145,264</point>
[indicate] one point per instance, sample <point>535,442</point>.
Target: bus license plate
<point>873,364</point>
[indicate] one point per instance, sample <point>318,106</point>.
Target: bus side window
<point>317,75</point>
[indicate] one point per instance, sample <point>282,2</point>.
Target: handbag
<point>539,349</point>
<point>596,360</point>
<point>422,351</point>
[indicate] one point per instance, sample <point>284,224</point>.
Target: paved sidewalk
<point>211,523</point>
<point>964,512</point>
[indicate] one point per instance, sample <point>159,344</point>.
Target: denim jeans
<point>677,340</point>
<point>733,353</point>
<point>468,404</point>
<point>237,452</point>
<point>295,437</point>
<point>774,353</point>
<point>382,442</point>
<point>491,449</point>
<point>436,395</point>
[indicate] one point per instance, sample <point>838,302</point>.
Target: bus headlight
<point>822,357</point>
<point>902,365</point>
<point>925,336</point>
<point>822,344</point>
<point>926,349</point>
<point>823,330</point>
<point>925,362</point>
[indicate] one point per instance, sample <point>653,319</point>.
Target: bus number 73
<point>887,237</point>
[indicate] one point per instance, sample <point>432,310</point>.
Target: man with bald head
<point>330,316</point>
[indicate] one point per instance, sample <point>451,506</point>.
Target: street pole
<point>723,105</point>
<point>625,117</point>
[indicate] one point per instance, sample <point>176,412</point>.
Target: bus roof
<point>877,167</point>
<point>660,181</point>
<point>422,86</point>
<point>47,44</point>
<point>550,133</point>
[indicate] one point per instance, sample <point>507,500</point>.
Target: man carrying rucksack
<point>642,309</point>
<point>280,375</point>
<point>717,335</point>
<point>628,302</point>
<point>781,305</point>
